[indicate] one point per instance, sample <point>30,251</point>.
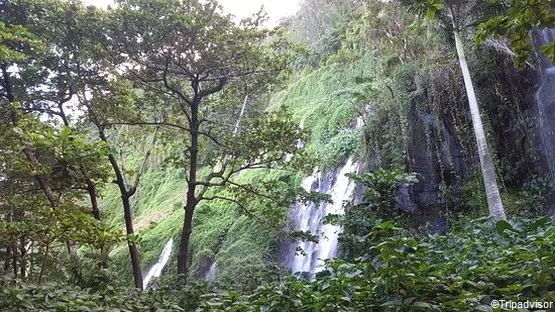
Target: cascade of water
<point>359,122</point>
<point>308,217</point>
<point>211,273</point>
<point>305,221</point>
<point>545,101</point>
<point>156,269</point>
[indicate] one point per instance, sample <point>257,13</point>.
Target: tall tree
<point>79,70</point>
<point>45,63</point>
<point>96,103</point>
<point>199,66</point>
<point>454,15</point>
<point>48,83</point>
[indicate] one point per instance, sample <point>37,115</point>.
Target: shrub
<point>405,271</point>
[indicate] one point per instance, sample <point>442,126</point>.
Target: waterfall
<point>545,101</point>
<point>211,273</point>
<point>308,217</point>
<point>156,269</point>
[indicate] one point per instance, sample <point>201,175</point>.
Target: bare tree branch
<point>258,165</point>
<point>253,191</point>
<point>145,160</point>
<point>182,98</point>
<point>249,213</point>
<point>147,123</point>
<point>163,123</point>
<point>241,74</point>
<point>221,83</point>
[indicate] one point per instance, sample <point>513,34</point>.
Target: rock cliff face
<point>435,155</point>
<point>545,101</point>
<point>545,106</point>
<point>519,106</point>
<point>439,146</point>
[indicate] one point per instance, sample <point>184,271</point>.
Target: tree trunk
<point>14,259</point>
<point>127,215</point>
<point>126,193</point>
<point>495,205</point>
<point>91,189</point>
<point>23,257</point>
<point>183,257</point>
<point>7,259</point>
<point>191,203</point>
<point>133,250</point>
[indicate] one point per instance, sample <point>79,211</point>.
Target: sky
<point>276,8</point>
<point>241,8</point>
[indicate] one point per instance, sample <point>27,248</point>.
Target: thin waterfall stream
<point>156,269</point>
<point>211,273</point>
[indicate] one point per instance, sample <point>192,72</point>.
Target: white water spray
<point>309,218</point>
<point>211,273</point>
<point>156,269</point>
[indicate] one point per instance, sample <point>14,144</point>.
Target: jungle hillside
<point>360,155</point>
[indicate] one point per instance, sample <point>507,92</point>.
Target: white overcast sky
<point>241,8</point>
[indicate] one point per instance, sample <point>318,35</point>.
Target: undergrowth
<point>401,270</point>
<point>406,271</point>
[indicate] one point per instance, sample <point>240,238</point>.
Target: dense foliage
<point>404,271</point>
<point>110,80</point>
<point>401,271</point>
<point>123,128</point>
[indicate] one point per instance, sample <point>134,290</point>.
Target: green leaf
<point>430,14</point>
<point>539,223</point>
<point>502,225</point>
<point>17,130</point>
<point>420,304</point>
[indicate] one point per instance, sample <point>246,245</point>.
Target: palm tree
<point>453,15</point>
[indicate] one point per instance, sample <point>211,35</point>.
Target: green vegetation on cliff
<point>121,129</point>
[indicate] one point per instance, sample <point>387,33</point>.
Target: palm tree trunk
<point>495,205</point>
